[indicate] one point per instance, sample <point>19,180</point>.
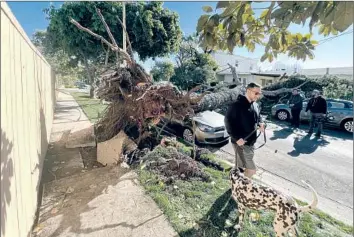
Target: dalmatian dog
<point>249,195</point>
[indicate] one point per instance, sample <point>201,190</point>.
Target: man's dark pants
<point>295,114</point>
<point>317,118</point>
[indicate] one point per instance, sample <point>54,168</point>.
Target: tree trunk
<point>218,99</point>
<point>90,77</point>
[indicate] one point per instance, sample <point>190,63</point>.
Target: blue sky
<point>334,53</point>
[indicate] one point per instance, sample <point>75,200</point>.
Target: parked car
<point>210,128</point>
<point>339,113</point>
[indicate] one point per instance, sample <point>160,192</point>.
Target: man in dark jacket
<point>242,118</point>
<point>318,107</point>
<point>295,104</point>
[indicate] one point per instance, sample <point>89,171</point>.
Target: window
<point>336,105</point>
<point>263,82</point>
<point>244,81</point>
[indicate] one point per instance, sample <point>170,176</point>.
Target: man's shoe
<point>318,135</point>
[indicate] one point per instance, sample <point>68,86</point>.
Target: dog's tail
<point>314,203</point>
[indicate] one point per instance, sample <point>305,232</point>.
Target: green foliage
<point>67,69</point>
<point>193,67</point>
<point>153,30</point>
<point>162,71</point>
<point>237,25</point>
<point>339,89</point>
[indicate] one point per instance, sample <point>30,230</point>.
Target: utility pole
<point>124,34</point>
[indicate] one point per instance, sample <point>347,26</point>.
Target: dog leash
<point>264,136</point>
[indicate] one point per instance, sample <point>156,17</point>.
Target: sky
<point>337,52</point>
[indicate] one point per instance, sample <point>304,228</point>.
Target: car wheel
<point>348,125</point>
<point>282,115</point>
<point>188,135</point>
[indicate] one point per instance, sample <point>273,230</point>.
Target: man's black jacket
<point>296,100</point>
<point>317,105</point>
<point>242,119</point>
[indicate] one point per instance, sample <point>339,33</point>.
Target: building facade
<point>244,66</point>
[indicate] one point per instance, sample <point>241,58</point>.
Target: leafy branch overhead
<point>236,24</point>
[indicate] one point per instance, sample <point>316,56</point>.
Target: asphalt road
<point>327,163</point>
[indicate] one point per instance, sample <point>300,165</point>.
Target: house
<point>266,78</point>
<point>244,66</point>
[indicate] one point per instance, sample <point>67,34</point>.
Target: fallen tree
<point>138,104</point>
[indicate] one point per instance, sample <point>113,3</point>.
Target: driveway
<point>327,163</point>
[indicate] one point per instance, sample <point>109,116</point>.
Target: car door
<point>305,116</point>
<point>336,111</point>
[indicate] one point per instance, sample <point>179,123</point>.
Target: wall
<point>245,78</point>
<point>27,102</point>
<point>245,65</point>
<point>264,80</point>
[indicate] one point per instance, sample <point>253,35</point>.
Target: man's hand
<point>261,127</point>
<point>240,142</point>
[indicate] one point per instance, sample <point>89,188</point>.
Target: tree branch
<point>129,43</point>
<point>234,74</point>
<point>282,90</point>
<point>92,33</point>
<point>114,48</point>
<point>107,27</point>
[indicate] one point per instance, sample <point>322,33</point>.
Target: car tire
<point>347,125</point>
<point>282,115</point>
<point>187,135</point>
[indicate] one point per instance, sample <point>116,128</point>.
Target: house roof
<point>267,74</point>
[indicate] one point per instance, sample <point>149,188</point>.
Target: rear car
<point>209,129</point>
<point>339,113</point>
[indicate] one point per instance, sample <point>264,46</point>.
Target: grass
<point>93,108</point>
<point>196,208</point>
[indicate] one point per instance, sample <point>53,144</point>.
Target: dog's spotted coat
<point>249,195</point>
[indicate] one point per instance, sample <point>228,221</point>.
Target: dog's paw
<point>238,227</point>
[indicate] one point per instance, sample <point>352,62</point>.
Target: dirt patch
<point>89,157</point>
<point>171,164</point>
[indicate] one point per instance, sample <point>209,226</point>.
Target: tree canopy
<point>67,68</point>
<point>235,24</point>
<point>153,31</point>
<point>193,66</point>
<point>162,71</point>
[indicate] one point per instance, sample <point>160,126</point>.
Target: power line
<point>333,37</point>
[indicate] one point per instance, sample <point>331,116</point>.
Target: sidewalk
<point>89,201</point>
<point>336,210</point>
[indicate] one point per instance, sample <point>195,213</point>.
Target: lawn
<point>196,208</point>
<point>93,108</point>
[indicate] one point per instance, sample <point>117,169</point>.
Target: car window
<point>349,105</point>
<point>336,105</point>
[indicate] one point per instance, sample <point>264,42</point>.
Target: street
<point>327,163</point>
